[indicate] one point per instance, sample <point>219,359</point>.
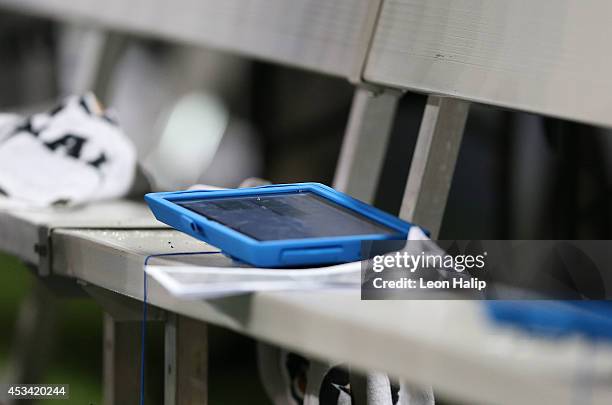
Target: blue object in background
<point>279,225</point>
<point>592,319</point>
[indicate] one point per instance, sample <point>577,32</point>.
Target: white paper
<point>198,282</point>
<point>211,276</point>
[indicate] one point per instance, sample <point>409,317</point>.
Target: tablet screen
<point>286,216</point>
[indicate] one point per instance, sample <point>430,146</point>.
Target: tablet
<point>279,225</point>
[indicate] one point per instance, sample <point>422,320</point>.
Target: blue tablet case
<point>273,253</point>
<point>592,319</point>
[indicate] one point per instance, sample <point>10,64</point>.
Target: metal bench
<point>524,55</point>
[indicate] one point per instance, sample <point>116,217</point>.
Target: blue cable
<point>143,330</point>
<point>143,333</point>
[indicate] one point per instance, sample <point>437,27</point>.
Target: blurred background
<point>519,176</point>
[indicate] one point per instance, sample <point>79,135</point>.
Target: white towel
<point>72,154</point>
